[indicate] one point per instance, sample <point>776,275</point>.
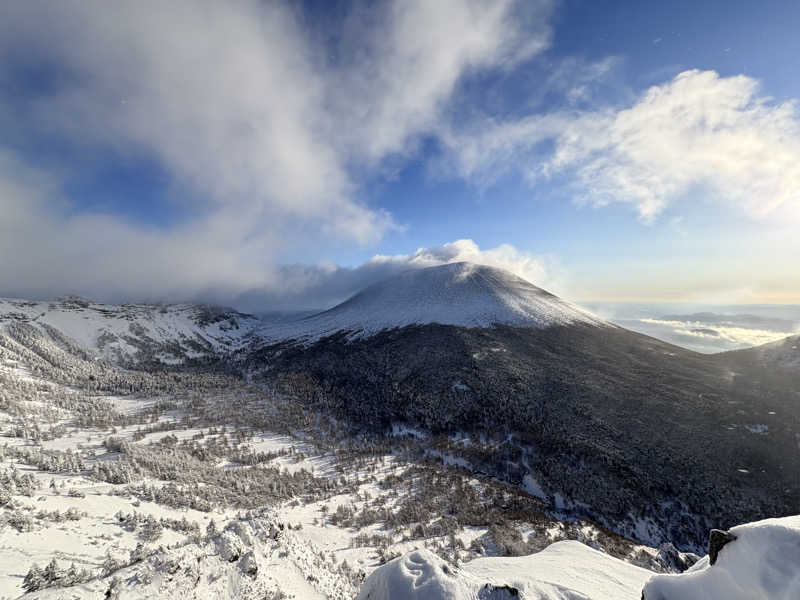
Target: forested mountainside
<point>670,440</point>
<point>626,427</point>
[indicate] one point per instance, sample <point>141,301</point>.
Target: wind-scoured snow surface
<point>567,570</point>
<point>762,563</point>
<point>168,333</point>
<point>462,294</point>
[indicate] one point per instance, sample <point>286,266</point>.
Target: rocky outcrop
<point>755,560</point>
<point>717,540</point>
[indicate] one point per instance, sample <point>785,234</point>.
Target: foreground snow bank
<point>763,562</point>
<point>565,570</point>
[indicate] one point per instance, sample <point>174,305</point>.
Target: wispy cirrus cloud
<point>699,131</point>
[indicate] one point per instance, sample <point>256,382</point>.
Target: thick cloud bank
<point>262,122</point>
<point>707,328</point>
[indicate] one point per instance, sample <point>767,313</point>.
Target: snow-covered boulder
<point>565,570</point>
<point>249,564</point>
<point>419,574</point>
<point>761,563</point>
<point>229,546</point>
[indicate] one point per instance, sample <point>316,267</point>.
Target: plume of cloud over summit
<point>322,286</point>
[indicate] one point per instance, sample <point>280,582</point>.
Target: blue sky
<point>268,154</point>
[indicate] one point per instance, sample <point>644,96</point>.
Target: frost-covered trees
<point>34,579</point>
<point>110,564</point>
<point>151,529</point>
<point>52,576</point>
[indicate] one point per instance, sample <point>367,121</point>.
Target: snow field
<point>762,563</point>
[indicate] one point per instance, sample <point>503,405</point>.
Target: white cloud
<point>46,252</point>
<point>264,127</point>
<point>698,131</point>
<point>414,58</point>
<point>724,336</point>
<point>526,265</point>
<point>226,95</point>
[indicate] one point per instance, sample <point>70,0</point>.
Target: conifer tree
<point>34,580</point>
<point>52,573</point>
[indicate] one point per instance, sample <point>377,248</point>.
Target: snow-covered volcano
<point>462,294</point>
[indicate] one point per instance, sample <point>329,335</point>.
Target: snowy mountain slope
<point>133,332</point>
<point>760,563</point>
<point>565,570</point>
<point>462,294</point>
<point>251,559</point>
<point>763,562</point>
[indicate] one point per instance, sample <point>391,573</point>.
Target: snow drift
<point>566,570</point>
<point>462,294</point>
<point>762,563</point>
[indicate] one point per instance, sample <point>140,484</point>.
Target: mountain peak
<point>462,294</point>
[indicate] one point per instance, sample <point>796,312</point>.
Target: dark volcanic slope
<point>779,358</point>
<point>619,421</point>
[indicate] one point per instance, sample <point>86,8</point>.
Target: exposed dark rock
<point>248,564</point>
<point>717,540</point>
<point>497,592</point>
<point>673,559</point>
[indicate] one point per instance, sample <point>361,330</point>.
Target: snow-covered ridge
<point>784,354</point>
<point>762,560</point>
<point>759,562</point>
<point>567,570</point>
<point>462,294</point>
<point>128,332</point>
